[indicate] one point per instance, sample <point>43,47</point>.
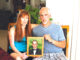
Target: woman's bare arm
<point>12,39</point>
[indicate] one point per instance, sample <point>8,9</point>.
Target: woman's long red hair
<point>18,30</point>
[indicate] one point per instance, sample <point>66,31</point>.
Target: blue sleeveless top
<point>20,46</point>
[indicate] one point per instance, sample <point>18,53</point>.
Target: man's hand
<point>48,37</point>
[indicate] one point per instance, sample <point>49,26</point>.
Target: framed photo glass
<point>35,46</point>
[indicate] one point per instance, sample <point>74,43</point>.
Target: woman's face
<point>24,20</point>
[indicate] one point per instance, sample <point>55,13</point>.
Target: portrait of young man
<point>35,50</point>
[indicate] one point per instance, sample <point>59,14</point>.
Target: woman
<point>18,35</point>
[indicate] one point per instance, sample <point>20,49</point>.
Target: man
<point>35,50</point>
<point>53,35</point>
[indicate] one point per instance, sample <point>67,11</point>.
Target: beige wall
<point>9,5</point>
<point>4,39</point>
<point>6,5</point>
<point>27,1</point>
<point>35,3</point>
<point>2,4</point>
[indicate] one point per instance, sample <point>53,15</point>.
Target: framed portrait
<point>35,46</point>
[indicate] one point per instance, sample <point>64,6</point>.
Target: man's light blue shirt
<point>56,33</point>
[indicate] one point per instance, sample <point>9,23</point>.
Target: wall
<point>4,39</point>
<point>62,12</point>
<point>67,12</point>
<point>2,4</point>
<point>35,3</point>
<point>6,5</point>
<point>75,55</point>
<point>10,5</point>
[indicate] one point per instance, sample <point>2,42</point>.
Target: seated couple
<point>54,40</point>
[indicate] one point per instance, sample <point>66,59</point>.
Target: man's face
<point>34,45</point>
<point>44,16</point>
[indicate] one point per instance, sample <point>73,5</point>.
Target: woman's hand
<point>23,56</point>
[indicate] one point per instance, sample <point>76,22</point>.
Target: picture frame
<point>66,34</point>
<point>31,45</point>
